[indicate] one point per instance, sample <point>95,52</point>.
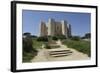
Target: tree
<point>87,35</point>
<point>26,34</point>
<point>33,36</point>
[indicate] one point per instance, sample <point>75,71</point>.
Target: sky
<point>80,22</point>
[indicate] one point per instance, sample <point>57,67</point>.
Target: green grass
<point>29,51</point>
<point>81,46</point>
<point>37,44</point>
<point>28,56</point>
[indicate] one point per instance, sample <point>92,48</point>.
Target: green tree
<point>87,35</point>
<point>27,34</point>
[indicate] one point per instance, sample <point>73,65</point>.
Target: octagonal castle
<point>55,28</point>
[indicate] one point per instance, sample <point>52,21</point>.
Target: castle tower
<point>55,28</point>
<point>64,28</point>
<point>69,30</point>
<point>43,29</point>
<point>51,26</point>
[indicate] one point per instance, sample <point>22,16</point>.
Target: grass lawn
<point>27,57</point>
<point>37,44</point>
<point>81,46</point>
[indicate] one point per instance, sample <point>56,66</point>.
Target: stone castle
<point>55,28</point>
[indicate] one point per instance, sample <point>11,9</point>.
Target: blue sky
<point>80,22</point>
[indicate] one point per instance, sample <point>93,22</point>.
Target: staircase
<point>60,53</point>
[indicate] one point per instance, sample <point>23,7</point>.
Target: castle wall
<point>43,29</point>
<point>58,28</point>
<point>69,30</point>
<point>55,28</point>
<point>64,28</point>
<point>51,27</point>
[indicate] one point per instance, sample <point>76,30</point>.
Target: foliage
<point>27,56</point>
<point>28,50</point>
<point>47,46</point>
<point>61,37</point>
<point>54,38</point>
<point>45,39</point>
<point>27,34</point>
<point>27,44</point>
<point>87,35</point>
<point>82,46</point>
<point>76,38</point>
<point>33,36</point>
<point>37,44</point>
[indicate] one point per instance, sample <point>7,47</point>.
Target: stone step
<point>60,53</point>
<point>59,50</point>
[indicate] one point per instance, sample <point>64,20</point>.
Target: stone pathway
<point>44,56</point>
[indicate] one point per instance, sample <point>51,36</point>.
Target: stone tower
<point>69,30</point>
<point>43,29</point>
<point>64,28</point>
<point>51,26</point>
<point>55,28</point>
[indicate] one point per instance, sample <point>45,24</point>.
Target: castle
<point>55,28</point>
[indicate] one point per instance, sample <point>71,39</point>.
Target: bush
<point>27,56</point>
<point>54,38</point>
<point>27,44</point>
<point>37,44</point>
<point>76,38</point>
<point>28,50</point>
<point>33,36</point>
<point>45,39</point>
<point>61,37</point>
<point>47,46</point>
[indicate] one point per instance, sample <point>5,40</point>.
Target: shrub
<point>87,35</point>
<point>61,37</point>
<point>45,39</point>
<point>28,50</point>
<point>33,36</point>
<point>54,38</point>
<point>76,38</point>
<point>27,34</point>
<point>27,44</point>
<point>47,46</point>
